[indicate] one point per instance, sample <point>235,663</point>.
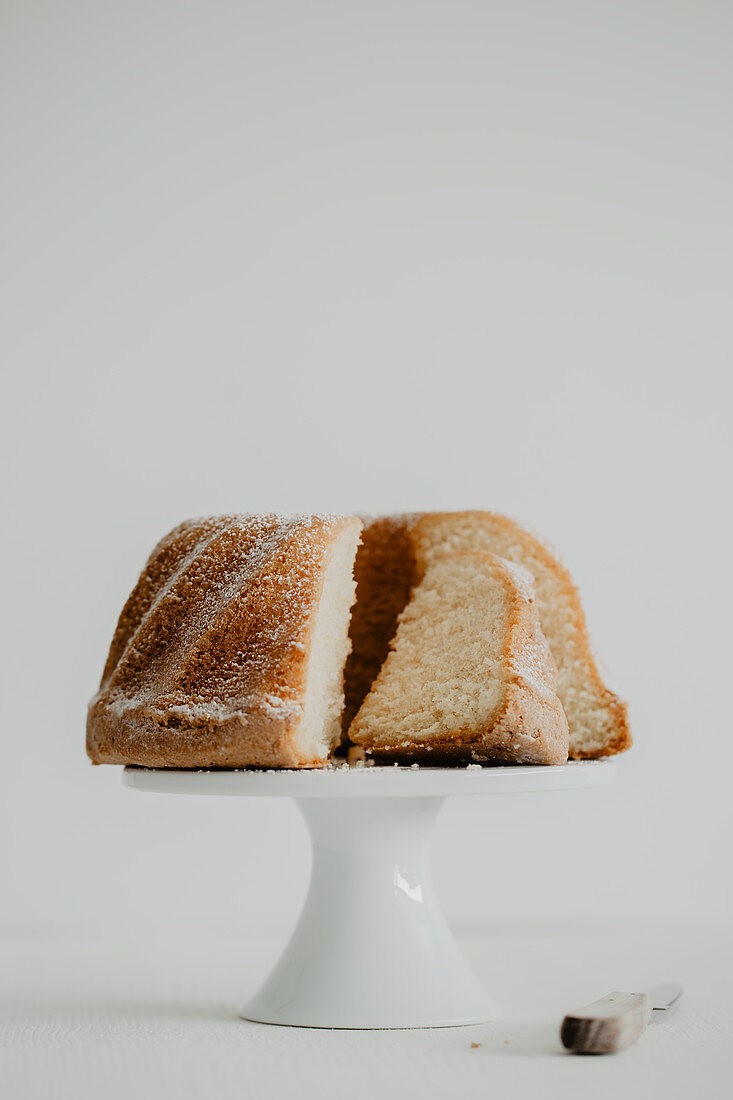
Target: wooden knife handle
<point>608,1025</point>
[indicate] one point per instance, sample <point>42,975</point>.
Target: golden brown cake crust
<point>209,661</point>
<point>405,543</point>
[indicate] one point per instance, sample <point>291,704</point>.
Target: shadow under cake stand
<point>372,948</point>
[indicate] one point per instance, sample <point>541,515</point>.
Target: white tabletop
<point>151,1013</point>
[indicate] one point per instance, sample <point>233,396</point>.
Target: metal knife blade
<point>662,996</point>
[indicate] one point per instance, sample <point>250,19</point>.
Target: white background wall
<point>368,257</point>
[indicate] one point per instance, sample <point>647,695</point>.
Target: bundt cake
<point>231,649</point>
<point>395,554</point>
<point>469,676</point>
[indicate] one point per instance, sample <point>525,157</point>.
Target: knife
<point>615,1021</point>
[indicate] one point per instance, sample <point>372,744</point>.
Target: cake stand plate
<point>372,948</point>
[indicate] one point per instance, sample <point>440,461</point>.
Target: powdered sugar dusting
<point>219,623</point>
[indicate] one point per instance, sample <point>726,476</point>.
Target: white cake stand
<point>372,948</point>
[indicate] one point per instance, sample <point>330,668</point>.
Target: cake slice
<point>395,552</point>
<point>230,650</point>
<point>469,676</point>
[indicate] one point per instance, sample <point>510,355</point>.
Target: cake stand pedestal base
<point>372,948</point>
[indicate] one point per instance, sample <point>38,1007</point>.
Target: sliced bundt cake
<point>395,552</point>
<point>469,676</point>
